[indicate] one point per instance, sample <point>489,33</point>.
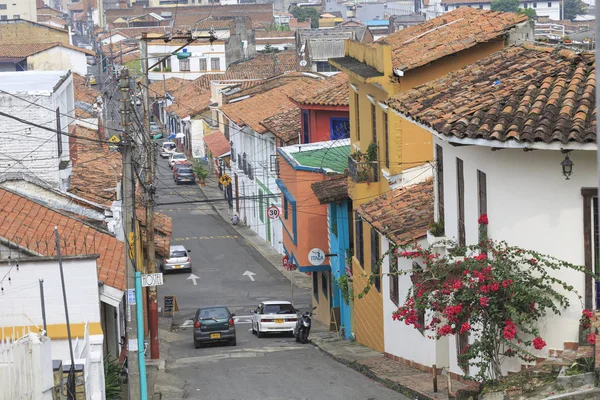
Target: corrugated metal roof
<point>324,49</point>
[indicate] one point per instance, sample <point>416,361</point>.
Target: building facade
<point>22,9</point>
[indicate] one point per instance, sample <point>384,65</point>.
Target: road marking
<point>205,238</point>
<point>243,319</point>
<point>193,278</point>
<point>187,323</point>
<point>243,353</point>
<point>250,275</point>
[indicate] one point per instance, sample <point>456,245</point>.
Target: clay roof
<point>524,94</point>
<point>131,56</point>
<point>96,171</point>
<point>447,34</point>
<point>212,23</point>
<point>31,225</point>
<point>84,93</point>
<point>190,99</point>
<point>274,34</point>
<point>252,111</point>
<point>286,125</point>
<point>333,91</point>
<point>330,190</point>
<point>403,214</point>
<point>294,24</point>
<point>217,143</point>
<point>117,49</point>
<point>23,51</point>
<point>158,88</point>
<point>265,65</point>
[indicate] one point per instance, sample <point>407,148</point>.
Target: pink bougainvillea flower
<point>538,343</point>
<point>480,257</point>
<point>484,301</point>
<point>510,329</point>
<point>465,327</point>
<point>456,285</point>
<point>507,283</point>
<point>445,330</point>
<point>587,313</point>
<point>483,219</point>
<point>591,338</point>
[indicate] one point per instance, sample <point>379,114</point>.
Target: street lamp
<point>567,166</point>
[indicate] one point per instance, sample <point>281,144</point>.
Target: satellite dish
<point>303,63</point>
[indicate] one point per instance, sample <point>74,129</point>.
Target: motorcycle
<point>302,328</point>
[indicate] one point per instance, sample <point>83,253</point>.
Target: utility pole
<point>149,178</point>
<point>150,171</point>
<point>136,365</point>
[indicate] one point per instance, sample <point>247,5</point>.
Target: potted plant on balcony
<point>567,39</point>
<point>436,233</point>
<point>201,173</point>
<point>371,155</point>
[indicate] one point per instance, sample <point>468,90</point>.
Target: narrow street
<point>271,368</point>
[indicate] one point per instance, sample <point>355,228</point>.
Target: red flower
<point>507,283</point>
<point>445,291</point>
<point>445,330</point>
<point>484,301</point>
<point>591,338</point>
<point>533,261</point>
<point>510,329</point>
<point>483,219</point>
<point>480,257</point>
<point>493,287</point>
<point>532,307</point>
<point>538,343</point>
<point>465,349</point>
<point>588,313</point>
<point>456,285</point>
<point>465,327</point>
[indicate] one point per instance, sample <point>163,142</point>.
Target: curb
<point>366,371</point>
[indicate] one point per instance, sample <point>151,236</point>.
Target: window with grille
<point>244,164</point>
<point>215,64</point>
<point>232,150</point>
<point>375,259</point>
<point>305,136</point>
<point>357,115</point>
<point>358,239</point>
<point>202,66</point>
<point>482,195</point>
<point>374,122</point>
<point>333,220</point>
<point>387,140</point>
<point>394,285</point>
<point>439,165</point>
<point>315,276</point>
<point>184,64</point>
<point>3,6</point>
<point>239,159</point>
<point>59,132</point>
<point>460,180</point>
<point>324,285</point>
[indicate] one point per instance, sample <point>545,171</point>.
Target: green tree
<point>574,8</point>
<point>530,12</point>
<point>304,13</point>
<point>269,49</point>
<point>506,5</point>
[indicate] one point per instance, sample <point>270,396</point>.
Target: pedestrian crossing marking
<point>206,238</point>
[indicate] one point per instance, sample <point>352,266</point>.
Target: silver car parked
<point>179,259</point>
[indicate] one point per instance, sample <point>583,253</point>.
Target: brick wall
<point>25,32</point>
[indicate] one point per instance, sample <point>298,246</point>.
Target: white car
<point>273,317</point>
<point>167,149</point>
<point>176,157</point>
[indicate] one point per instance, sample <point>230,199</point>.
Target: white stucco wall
<point>531,205</point>
<point>541,8</point>
<point>403,340</point>
<point>207,52</point>
<point>58,59</point>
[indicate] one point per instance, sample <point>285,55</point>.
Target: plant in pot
<point>567,39</point>
<point>201,172</point>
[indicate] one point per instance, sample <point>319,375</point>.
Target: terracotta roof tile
<point>84,93</point>
<point>23,51</point>
<point>190,99</point>
<point>286,125</point>
<point>403,214</point>
<point>31,225</point>
<point>447,34</point>
<point>217,143</point>
<point>259,107</point>
<point>266,65</point>
<point>330,190</point>
<point>275,34</point>
<point>333,91</point>
<point>525,94</point>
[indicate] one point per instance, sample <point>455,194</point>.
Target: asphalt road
<point>270,368</point>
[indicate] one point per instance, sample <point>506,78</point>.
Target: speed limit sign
<point>273,212</point>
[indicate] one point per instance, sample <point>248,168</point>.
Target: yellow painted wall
<point>368,311</point>
<point>55,331</point>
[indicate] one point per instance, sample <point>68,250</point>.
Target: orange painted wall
<point>311,223</point>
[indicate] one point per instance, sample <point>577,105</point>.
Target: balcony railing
<point>363,171</point>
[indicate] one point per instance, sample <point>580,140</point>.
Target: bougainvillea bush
<point>496,295</point>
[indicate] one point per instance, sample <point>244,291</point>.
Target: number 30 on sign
<point>273,212</point>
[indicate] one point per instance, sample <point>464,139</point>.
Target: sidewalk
<point>395,375</point>
<point>211,191</point>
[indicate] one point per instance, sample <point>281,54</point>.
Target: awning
<point>180,135</point>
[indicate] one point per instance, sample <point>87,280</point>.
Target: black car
<point>214,324</point>
<point>184,174</point>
